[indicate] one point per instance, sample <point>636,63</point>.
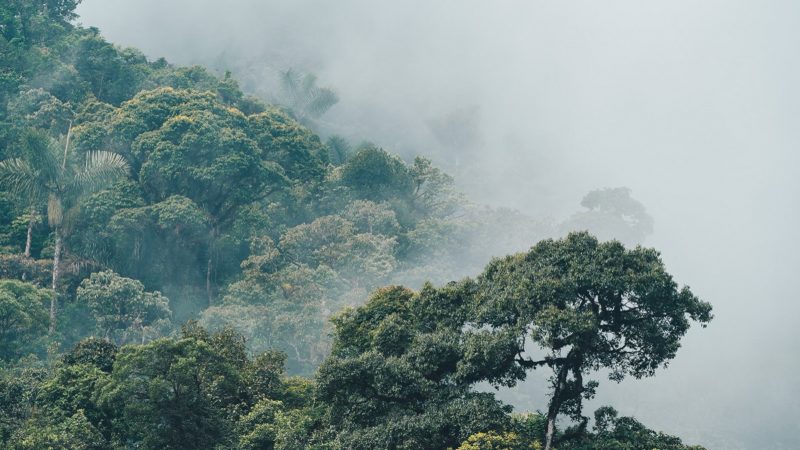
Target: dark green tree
<point>587,305</point>
<point>400,375</point>
<point>182,390</point>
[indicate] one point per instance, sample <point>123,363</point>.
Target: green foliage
<point>72,433</point>
<point>70,390</point>
<point>39,109</point>
<point>93,352</point>
<point>113,75</point>
<point>339,149</point>
<point>182,389</point>
<point>496,441</point>
<point>376,175</point>
<point>258,428</point>
<point>294,147</point>
<point>289,289</point>
<point>121,308</point>
<point>23,318</point>
<point>395,377</point>
<point>18,390</point>
<point>612,432</point>
<point>587,305</point>
<point>248,221</point>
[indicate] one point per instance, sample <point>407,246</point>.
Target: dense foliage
<point>211,273</point>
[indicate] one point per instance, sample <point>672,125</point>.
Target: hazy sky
<point>693,105</point>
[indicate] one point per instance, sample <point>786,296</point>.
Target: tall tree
<point>45,171</point>
<point>587,305</point>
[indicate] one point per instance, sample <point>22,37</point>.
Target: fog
<point>692,105</point>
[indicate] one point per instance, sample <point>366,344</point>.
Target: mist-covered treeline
<point>188,266</point>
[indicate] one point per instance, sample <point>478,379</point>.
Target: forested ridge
<point>187,266</point>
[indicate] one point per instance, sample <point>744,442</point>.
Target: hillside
<point>186,266</point>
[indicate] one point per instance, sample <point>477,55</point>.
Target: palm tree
<point>304,97</point>
<point>46,173</point>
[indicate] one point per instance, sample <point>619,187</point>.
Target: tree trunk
<point>210,265</point>
<point>56,276</point>
<point>555,405</point>
<point>209,269</point>
<point>31,222</point>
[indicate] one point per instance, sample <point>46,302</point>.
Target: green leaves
<point>121,308</point>
<point>182,388</point>
<point>101,168</point>
<point>23,318</point>
<point>19,177</point>
<point>376,175</point>
<point>587,305</point>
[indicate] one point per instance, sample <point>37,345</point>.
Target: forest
<point>188,266</point>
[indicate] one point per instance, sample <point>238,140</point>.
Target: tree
<point>47,172</point>
<point>400,373</point>
<point>93,352</point>
<point>587,305</point>
<point>338,149</point>
<point>71,433</point>
<point>121,308</point>
<point>257,429</point>
<point>197,148</point>
<point>374,174</point>
<point>112,74</point>
<point>496,441</point>
<point>70,390</point>
<point>190,392</point>
<point>289,290</point>
<point>434,191</point>
<point>304,97</point>
<point>23,317</point>
<point>287,142</point>
<point>182,389</point>
<point>612,432</point>
<point>612,213</point>
<point>371,217</point>
<point>18,390</point>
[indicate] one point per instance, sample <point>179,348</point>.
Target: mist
<point>691,105</point>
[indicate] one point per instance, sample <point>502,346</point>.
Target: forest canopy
<point>187,266</point>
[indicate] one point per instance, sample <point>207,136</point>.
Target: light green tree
<point>122,308</point>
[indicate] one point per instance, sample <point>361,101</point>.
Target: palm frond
<point>20,178</point>
<point>100,170</point>
<point>309,82</point>
<point>322,99</point>
<point>43,153</point>
<point>290,81</point>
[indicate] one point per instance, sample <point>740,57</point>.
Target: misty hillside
<point>195,256</point>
